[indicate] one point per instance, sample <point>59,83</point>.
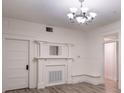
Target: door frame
<point>20,39</point>
<point>117,60</point>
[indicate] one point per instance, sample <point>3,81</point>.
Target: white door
<point>16,59</point>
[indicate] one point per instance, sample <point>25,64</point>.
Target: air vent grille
<point>55,76</point>
<point>49,29</point>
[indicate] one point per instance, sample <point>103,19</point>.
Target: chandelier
<point>81,15</point>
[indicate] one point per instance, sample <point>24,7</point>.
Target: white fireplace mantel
<point>45,62</point>
<point>45,58</point>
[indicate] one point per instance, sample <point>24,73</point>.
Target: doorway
<point>111,59</point>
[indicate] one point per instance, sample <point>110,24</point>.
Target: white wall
<point>87,51</point>
<point>13,28</point>
<point>95,48</point>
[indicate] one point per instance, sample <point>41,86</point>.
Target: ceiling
<point>54,12</point>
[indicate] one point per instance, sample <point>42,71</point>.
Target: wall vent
<point>49,29</point>
<point>55,76</point>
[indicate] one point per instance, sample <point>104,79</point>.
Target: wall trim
<point>92,76</point>
<point>88,78</point>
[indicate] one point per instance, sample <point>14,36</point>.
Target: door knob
<point>27,67</point>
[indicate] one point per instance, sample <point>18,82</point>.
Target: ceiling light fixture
<point>81,15</point>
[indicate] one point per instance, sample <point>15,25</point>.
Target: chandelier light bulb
<point>84,9</point>
<point>80,20</point>
<point>92,14</point>
<point>89,18</point>
<point>73,10</point>
<point>70,16</point>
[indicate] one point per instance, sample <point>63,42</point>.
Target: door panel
<point>16,59</point>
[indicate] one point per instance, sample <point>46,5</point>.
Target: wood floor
<point>84,87</point>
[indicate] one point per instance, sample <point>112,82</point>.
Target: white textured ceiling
<point>54,12</point>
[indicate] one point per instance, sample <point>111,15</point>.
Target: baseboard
<point>40,85</point>
<point>88,78</point>
<point>55,84</point>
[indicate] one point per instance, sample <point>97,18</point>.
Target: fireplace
<point>54,63</point>
<point>53,72</point>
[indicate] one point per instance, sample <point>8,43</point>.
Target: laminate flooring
<point>109,87</point>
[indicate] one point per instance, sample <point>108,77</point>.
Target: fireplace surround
<point>53,69</point>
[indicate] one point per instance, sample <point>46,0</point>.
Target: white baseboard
<point>53,84</point>
<point>89,79</point>
<point>40,85</point>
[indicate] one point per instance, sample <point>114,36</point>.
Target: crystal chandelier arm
<point>70,15</point>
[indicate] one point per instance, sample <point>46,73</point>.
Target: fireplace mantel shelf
<point>52,58</point>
